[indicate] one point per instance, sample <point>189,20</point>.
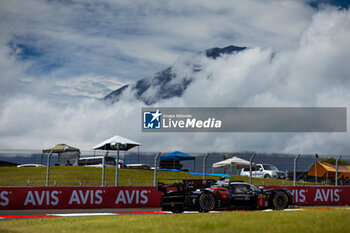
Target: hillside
<point>89,176</point>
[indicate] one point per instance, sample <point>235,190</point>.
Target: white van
<point>97,161</point>
<point>139,166</point>
<point>264,171</point>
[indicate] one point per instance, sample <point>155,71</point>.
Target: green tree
<point>332,160</point>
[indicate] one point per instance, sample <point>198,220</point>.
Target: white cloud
<point>117,42</point>
<point>88,86</point>
<point>129,40</point>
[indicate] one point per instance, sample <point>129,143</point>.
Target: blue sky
<point>58,57</point>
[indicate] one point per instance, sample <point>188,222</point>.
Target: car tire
<point>206,202</point>
<point>267,176</point>
<point>280,201</point>
<point>177,209</point>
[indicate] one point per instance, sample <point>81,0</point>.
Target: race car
<point>206,195</point>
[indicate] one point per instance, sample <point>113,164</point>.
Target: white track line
<point>85,214</point>
<point>294,210</point>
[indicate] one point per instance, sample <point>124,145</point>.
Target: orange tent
<point>328,170</point>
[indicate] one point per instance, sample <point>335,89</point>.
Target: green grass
<point>92,176</point>
<point>321,220</point>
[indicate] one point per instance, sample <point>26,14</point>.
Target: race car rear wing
<point>186,185</point>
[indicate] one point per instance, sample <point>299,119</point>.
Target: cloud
<point>128,41</point>
<point>87,86</point>
<point>297,57</point>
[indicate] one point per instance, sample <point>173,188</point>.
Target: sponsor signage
<point>318,195</point>
<point>79,197</point>
<point>163,119</point>
<point>139,197</point>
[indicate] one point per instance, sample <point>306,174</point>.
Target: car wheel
<point>177,209</point>
<point>280,201</point>
<point>267,176</point>
<point>206,202</point>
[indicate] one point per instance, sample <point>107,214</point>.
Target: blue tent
<point>177,155</point>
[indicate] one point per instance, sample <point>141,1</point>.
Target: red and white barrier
<point>318,195</point>
<point>78,197</point>
<point>138,197</point>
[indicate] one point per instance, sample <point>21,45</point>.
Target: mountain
<point>169,82</point>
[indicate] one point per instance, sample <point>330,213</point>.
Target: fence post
<point>295,170</point>
<point>117,166</point>
<point>155,170</point>
<point>204,164</point>
<point>48,168</point>
<point>336,171</point>
<point>250,168</point>
<point>103,168</point>
<point>316,157</point>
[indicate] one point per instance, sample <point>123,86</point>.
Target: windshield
<point>270,167</point>
<point>255,188</point>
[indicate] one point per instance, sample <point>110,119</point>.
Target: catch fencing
<point>63,176</point>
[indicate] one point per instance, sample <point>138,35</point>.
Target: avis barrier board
<point>318,195</point>
<point>78,197</point>
<point>138,197</point>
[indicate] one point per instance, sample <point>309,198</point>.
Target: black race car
<point>206,195</point>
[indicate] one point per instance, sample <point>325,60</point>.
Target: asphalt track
<point>74,211</point>
<point>54,213</point>
<point>19,214</point>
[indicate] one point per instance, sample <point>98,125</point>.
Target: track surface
<point>73,211</point>
<point>46,213</point>
<point>22,214</point>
